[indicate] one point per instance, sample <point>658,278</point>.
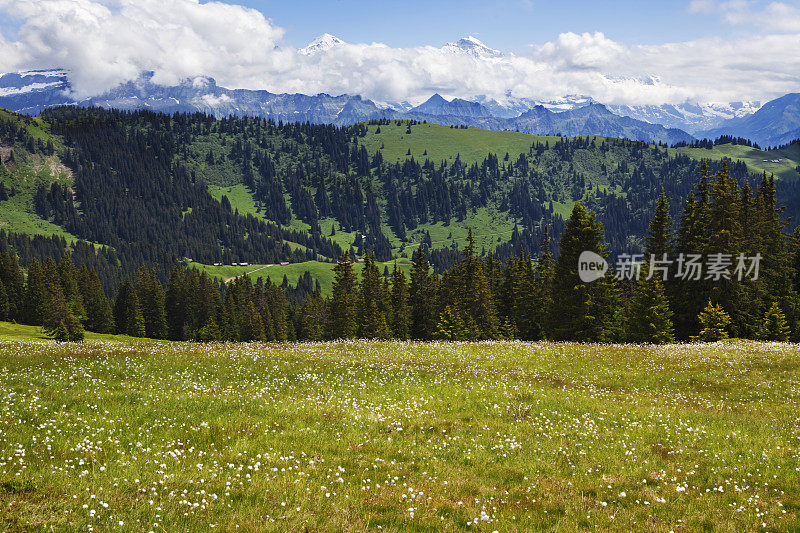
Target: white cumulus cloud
<point>105,42</point>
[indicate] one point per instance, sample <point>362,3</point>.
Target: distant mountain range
<point>776,122</point>
<point>591,119</point>
<point>33,92</point>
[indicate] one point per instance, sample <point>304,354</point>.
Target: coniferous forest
<point>139,204</point>
<point>479,298</point>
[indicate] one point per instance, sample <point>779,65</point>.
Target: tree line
<point>479,298</point>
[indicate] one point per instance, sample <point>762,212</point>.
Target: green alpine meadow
<point>399,436</point>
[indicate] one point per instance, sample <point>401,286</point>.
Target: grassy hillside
<point>23,333</point>
<point>17,213</point>
<point>399,437</point>
<point>323,272</point>
<point>758,161</point>
<point>444,142</point>
<point>473,144</point>
<point>24,173</point>
<point>242,200</point>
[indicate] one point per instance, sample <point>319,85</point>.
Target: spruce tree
<point>688,297</point>
<point>649,318</point>
<point>543,287</point>
<point>75,332</point>
<point>176,306</point>
<point>450,326</point>
<point>373,303</point>
<point>422,291</point>
<point>14,283</point>
<point>99,317</point>
<point>4,307</point>
<point>507,331</point>
<point>344,301</point>
<point>35,294</point>
<point>68,275</point>
<point>715,323</point>
<point>776,277</point>
<point>774,326</point>
<point>400,310</point>
<point>56,308</point>
<point>473,292</point>
<point>153,302</point>
<point>659,233</point>
<point>582,311</point>
<point>253,326</point>
<point>60,333</point>
<point>725,222</point>
<point>210,332</point>
<point>128,311</point>
<point>313,321</point>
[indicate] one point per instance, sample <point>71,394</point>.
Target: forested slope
<point>157,189</point>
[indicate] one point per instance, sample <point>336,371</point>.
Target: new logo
<point>591,266</point>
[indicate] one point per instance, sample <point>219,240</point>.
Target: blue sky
<point>509,25</point>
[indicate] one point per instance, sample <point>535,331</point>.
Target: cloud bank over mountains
<point>103,43</point>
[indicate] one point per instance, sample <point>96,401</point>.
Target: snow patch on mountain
<point>323,43</point>
<point>32,88</point>
<point>53,73</point>
<point>473,47</point>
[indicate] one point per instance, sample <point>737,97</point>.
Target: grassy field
<point>21,332</point>
<point>473,144</point>
<point>444,142</point>
<point>399,436</point>
<point>319,271</point>
<point>757,160</point>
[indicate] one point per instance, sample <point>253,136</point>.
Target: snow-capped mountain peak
<point>323,43</point>
<point>472,46</point>
<point>690,116</point>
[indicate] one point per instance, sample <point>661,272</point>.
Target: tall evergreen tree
<point>128,311</point>
<point>543,286</point>
<point>648,317</point>
<point>422,291</point>
<point>373,303</point>
<point>252,324</point>
<point>344,300</point>
<point>99,317</point>
<point>14,282</point>
<point>35,294</point>
<point>175,303</point>
<point>400,321</point>
<point>776,278</point>
<point>151,297</point>
<point>56,307</point>
<point>659,233</point>
<point>473,292</point>
<point>4,307</point>
<point>689,296</point>
<point>68,275</point>
<point>313,318</point>
<point>581,311</point>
